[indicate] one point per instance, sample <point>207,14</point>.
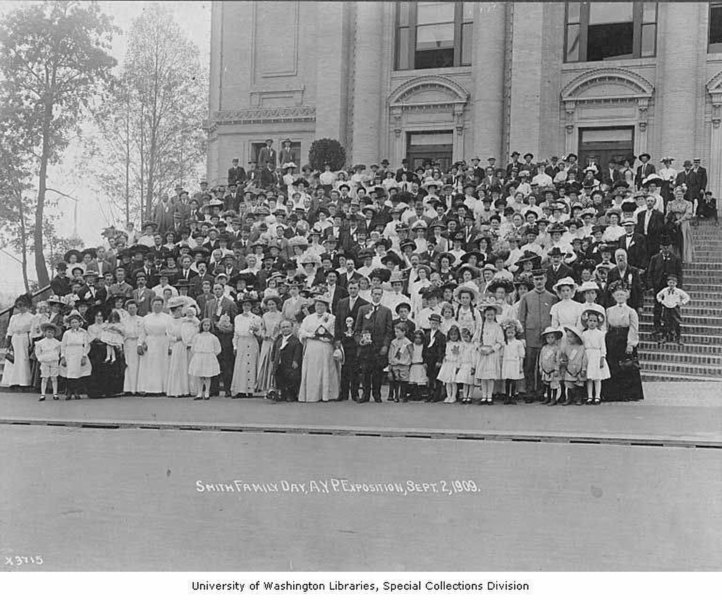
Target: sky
<point>95,214</point>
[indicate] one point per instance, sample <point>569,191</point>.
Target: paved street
<point>670,413</point>
<point>128,500</point>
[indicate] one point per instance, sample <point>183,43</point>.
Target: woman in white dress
<point>131,332</point>
<point>320,373</point>
<point>246,329</point>
<point>153,344</point>
<point>18,372</point>
<point>177,381</point>
<point>74,350</point>
<point>416,288</point>
<point>271,326</point>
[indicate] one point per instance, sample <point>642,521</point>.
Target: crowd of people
<point>480,284</point>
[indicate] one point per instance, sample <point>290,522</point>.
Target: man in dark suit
<point>334,290</point>
<point>693,181</point>
<point>514,164</point>
<point>624,271</point>
<point>287,356</point>
<point>267,155</point>
<point>196,281</point>
<point>268,177</point>
<point>91,292</point>
<point>350,274</point>
<point>634,244</point>
<point>660,266</point>
<point>60,284</point>
<point>557,270</point>
<point>221,306</point>
<point>374,328</point>
<point>348,307</point>
<point>404,169</point>
<point>236,174</point>
<point>142,294</point>
<point>643,170</point>
<point>611,174</point>
<point>433,355</point>
<point>701,173</point>
<point>650,224</point>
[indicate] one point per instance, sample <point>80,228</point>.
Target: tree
<point>151,121</point>
<point>325,151</point>
<point>53,61</point>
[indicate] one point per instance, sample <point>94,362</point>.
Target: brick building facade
<point>454,80</point>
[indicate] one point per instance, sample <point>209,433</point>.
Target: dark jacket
<point>661,266</point>
<point>633,281</point>
<point>342,312</point>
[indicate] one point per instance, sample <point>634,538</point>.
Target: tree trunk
<point>23,243</point>
<point>40,267</point>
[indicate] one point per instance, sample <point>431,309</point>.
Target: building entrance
<point>430,146</point>
<point>599,145</point>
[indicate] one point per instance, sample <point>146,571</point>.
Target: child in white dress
<point>596,350</point>
<point>467,366</point>
<point>417,373</point>
<point>512,362</point>
<point>112,336</point>
<point>205,349</point>
<point>452,359</point>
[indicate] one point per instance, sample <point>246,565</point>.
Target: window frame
<point>412,26</point>
<point>713,48</point>
<point>638,25</point>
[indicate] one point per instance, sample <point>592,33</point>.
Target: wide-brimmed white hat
<point>568,281</point>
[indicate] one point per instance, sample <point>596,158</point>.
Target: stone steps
<point>647,376</point>
<point>681,355</point>
<point>706,342</point>
<point>648,347</point>
<point>668,369</point>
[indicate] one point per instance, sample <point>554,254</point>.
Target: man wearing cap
<point>535,316</point>
<point>267,156</point>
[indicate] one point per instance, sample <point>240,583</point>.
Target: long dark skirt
<point>624,383</point>
<point>107,378</point>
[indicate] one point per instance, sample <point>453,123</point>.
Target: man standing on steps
<point>661,265</point>
<point>374,330</point>
<point>535,317</point>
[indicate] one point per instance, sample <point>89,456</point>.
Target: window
<point>433,35</point>
<point>715,27</point>
<point>598,31</point>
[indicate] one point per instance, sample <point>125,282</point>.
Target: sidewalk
<point>682,414</point>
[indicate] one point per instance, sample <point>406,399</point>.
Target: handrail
<point>33,295</point>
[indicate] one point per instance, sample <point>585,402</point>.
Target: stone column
<point>714,171</point>
<point>526,78</point>
<point>677,84</point>
<point>488,92</point>
<point>368,99</point>
<point>331,61</point>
